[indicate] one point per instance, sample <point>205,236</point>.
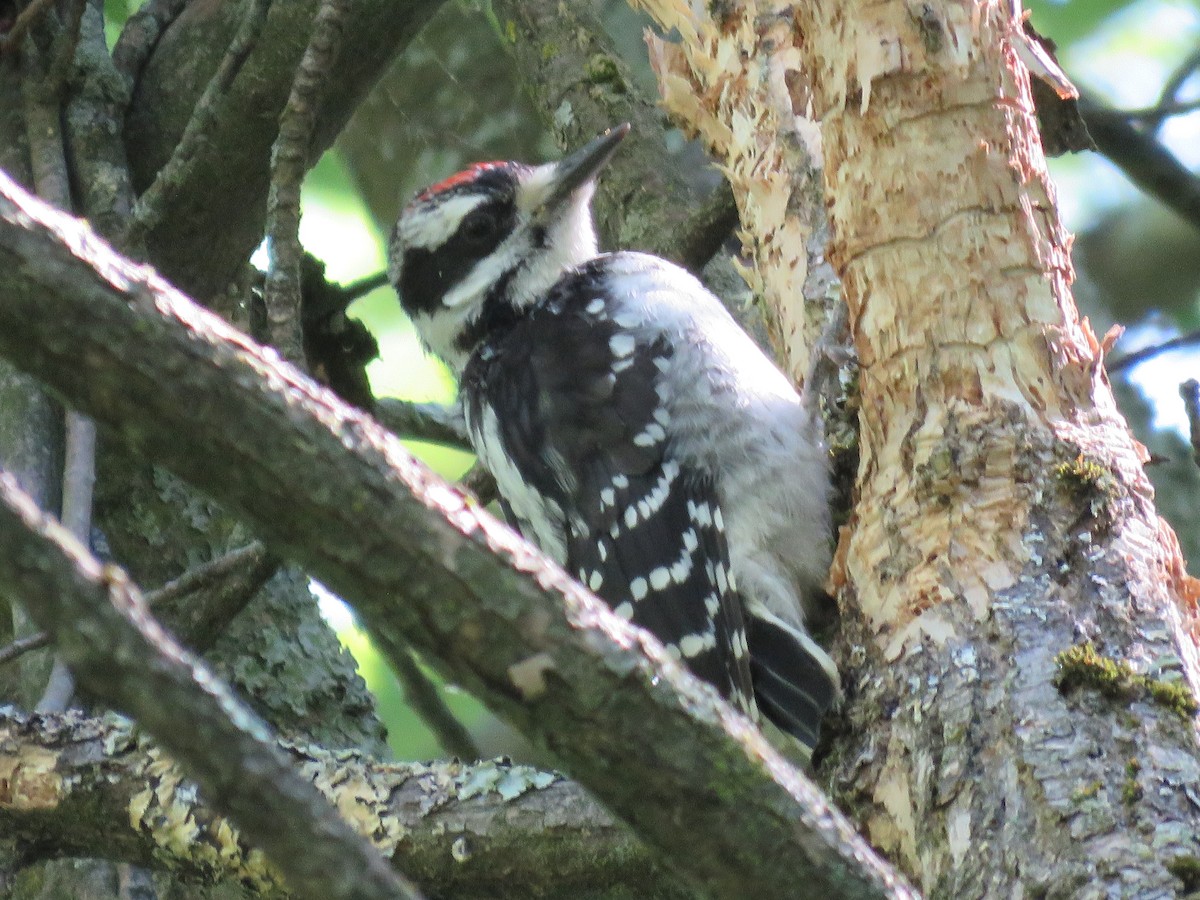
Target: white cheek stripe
<point>435,226</point>
<point>486,273</point>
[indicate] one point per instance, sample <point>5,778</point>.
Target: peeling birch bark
<point>728,81</point>
<point>1003,515</point>
<point>1019,632</point>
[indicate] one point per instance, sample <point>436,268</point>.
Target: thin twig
<point>426,701</point>
<point>290,162</point>
<point>194,143</point>
<point>1179,77</point>
<point>364,286</point>
<point>324,299</point>
<point>1190,392</point>
<point>79,480</point>
<point>79,476</point>
<point>1139,356</point>
<point>141,33</point>
<point>1154,115</point>
<point>210,574</point>
<point>1143,159</point>
<point>22,24</point>
<point>65,45</point>
<point>431,422</point>
<point>25,645</point>
<point>243,570</point>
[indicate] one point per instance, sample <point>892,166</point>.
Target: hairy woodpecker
<point>636,433</point>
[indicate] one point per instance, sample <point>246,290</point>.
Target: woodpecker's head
<point>474,250</point>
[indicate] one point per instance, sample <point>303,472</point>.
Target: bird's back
<point>673,467</point>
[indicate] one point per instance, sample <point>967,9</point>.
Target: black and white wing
<point>567,410</point>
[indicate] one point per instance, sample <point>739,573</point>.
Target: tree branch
<point>222,202</point>
<point>423,697</point>
<point>1143,159</point>
<point>196,140</point>
<point>290,162</point>
<point>79,480</point>
<point>424,421</point>
<point>198,605</point>
<point>65,45</point>
<point>141,33</point>
<point>1139,356</point>
<point>103,631</point>
<point>313,476</point>
<point>493,830</point>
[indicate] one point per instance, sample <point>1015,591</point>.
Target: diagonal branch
<point>326,485</point>
<point>424,421</point>
<point>104,632</point>
<point>1143,158</point>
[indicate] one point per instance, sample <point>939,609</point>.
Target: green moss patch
<point>1081,666</point>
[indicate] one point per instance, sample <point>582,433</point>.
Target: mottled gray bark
<point>492,829</point>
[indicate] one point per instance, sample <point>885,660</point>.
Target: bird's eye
<point>479,226</point>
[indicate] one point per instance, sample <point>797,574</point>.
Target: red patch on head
<point>466,176</point>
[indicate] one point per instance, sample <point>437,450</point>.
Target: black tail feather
<point>792,688</point>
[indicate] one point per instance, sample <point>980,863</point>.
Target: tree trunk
<point>1020,629</point>
<point>1018,634</point>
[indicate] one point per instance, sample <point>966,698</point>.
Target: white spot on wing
<point>681,569</point>
<point>691,645</point>
<point>622,344</point>
<point>722,580</point>
<point>643,439</point>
